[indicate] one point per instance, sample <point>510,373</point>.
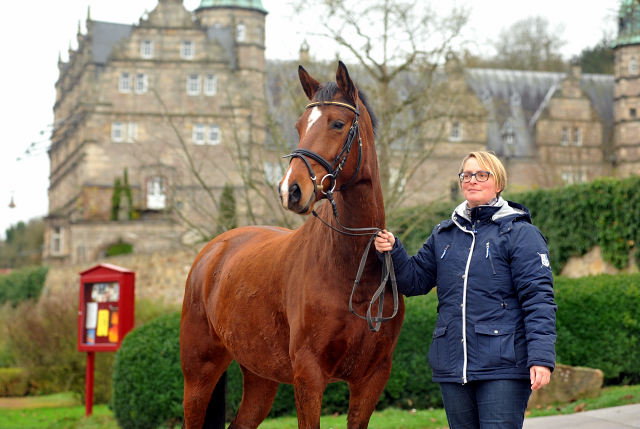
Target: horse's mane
<point>328,91</point>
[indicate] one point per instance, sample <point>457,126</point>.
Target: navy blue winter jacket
<point>496,312</point>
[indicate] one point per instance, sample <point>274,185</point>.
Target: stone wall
<point>591,263</point>
<point>159,276</point>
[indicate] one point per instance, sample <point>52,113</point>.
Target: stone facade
<point>165,102</point>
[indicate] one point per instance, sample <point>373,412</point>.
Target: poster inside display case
<point>101,313</point>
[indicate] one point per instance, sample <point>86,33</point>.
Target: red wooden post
<point>88,400</point>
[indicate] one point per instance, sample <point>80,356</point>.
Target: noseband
<point>388,273</point>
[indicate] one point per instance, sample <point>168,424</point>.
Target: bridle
<point>332,173</point>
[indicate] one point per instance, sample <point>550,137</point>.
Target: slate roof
<point>105,35</point>
<point>518,97</point>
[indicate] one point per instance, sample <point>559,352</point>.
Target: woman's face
<point>478,193</point>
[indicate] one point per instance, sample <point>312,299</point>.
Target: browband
<point>337,103</point>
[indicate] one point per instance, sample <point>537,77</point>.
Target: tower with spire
<point>626,150</point>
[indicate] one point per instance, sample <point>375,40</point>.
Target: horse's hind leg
<point>257,397</point>
<point>203,360</point>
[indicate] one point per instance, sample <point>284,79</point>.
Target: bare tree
<point>396,49</point>
<point>530,44</point>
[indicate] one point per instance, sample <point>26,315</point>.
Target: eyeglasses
<point>481,176</point>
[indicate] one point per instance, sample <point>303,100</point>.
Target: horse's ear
<point>345,84</point>
<point>309,84</point>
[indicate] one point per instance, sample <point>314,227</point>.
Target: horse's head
<point>328,130</point>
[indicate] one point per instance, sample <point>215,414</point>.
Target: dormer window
<point>241,32</point>
<point>146,49</point>
<point>188,50</point>
<point>633,67</point>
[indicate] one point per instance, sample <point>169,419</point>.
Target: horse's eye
<point>337,125</point>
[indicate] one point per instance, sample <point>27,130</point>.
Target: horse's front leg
<point>309,383</point>
<point>365,394</point>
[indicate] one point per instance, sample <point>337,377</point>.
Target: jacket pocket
<point>439,350</point>
<point>496,345</point>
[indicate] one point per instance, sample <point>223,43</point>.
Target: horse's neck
<point>359,206</point>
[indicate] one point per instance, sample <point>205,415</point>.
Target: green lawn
<point>55,412</point>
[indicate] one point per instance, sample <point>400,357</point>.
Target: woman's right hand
<point>384,241</point>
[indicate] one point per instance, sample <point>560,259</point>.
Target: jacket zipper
<point>464,300</point>
<point>445,251</point>
<point>490,259</point>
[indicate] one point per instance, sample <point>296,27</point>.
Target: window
<point>214,134</point>
<point>125,82</point>
<point>141,83</point>
<point>56,240</point>
<point>241,33</point>
<point>577,137</point>
<point>633,67</point>
<point>193,84</point>
<point>132,132</point>
<point>188,50</point>
<point>156,194</point>
<point>632,113</point>
<point>210,84</point>
<point>261,35</point>
<point>509,134</point>
<point>116,132</point>
<point>198,134</point>
<point>456,132</point>
<point>397,180</point>
<point>146,49</point>
<point>569,177</point>
<point>564,137</point>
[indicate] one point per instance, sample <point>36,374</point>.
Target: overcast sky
<point>35,32</point>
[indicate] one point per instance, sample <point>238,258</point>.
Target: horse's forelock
<point>329,90</point>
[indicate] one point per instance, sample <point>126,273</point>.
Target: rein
<point>388,272</point>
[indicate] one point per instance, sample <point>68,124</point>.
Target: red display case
<point>106,312</point>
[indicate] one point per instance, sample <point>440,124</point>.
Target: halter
<point>388,272</point>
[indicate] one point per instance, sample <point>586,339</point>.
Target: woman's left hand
<point>540,376</point>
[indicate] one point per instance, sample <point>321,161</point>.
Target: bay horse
<point>277,301</point>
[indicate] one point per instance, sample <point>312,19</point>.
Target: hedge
<point>598,324</point>
<point>22,284</point>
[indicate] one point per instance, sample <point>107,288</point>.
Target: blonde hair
<point>492,164</point>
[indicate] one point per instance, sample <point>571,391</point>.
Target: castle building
<point>153,119</point>
<point>146,110</point>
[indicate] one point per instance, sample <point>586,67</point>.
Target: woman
<point>494,339</point>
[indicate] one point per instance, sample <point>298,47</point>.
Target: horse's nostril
<point>295,194</point>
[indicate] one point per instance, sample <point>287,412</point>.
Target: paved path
<point>623,417</point>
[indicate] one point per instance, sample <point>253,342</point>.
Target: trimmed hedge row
<point>22,285</point>
<point>598,326</point>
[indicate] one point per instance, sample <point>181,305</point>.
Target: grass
<point>62,411</point>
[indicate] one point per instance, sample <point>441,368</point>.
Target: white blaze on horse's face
<point>314,116</point>
<point>284,189</point>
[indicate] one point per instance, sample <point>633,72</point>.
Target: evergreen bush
<point>22,285</point>
<point>147,378</point>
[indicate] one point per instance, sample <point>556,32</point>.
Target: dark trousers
<point>490,404</point>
